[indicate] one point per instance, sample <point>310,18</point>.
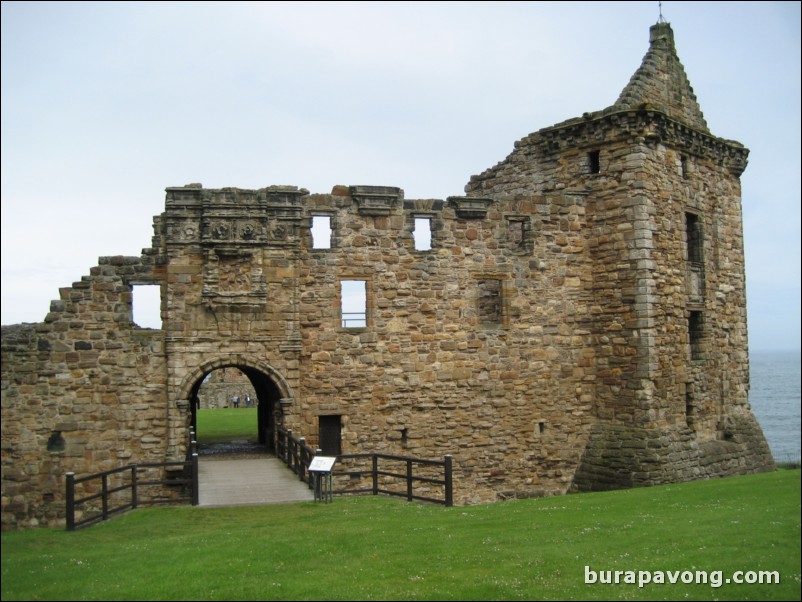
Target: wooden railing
<point>99,496</point>
<point>424,480</point>
<point>295,453</point>
<point>387,471</point>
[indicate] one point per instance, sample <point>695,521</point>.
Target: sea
<point>775,400</point>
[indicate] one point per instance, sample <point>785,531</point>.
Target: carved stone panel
<point>233,277</point>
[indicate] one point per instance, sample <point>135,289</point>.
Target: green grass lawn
<point>382,548</point>
<point>226,424</point>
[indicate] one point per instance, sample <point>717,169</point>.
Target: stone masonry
<point>577,323</point>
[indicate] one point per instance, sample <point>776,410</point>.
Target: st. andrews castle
<point>578,321</point>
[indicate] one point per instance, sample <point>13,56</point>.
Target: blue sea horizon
<point>775,397</point>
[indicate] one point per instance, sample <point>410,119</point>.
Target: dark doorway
<point>330,435</point>
<point>269,409</point>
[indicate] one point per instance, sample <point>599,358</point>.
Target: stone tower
<point>575,321</point>
<point>663,293</point>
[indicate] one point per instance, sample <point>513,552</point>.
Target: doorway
<point>330,435</point>
<point>236,409</point>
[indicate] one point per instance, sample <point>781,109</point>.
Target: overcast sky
<point>104,105</point>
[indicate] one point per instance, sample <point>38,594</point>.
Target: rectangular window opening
<point>694,242</point>
<point>594,165</point>
<point>694,239</point>
<point>683,163</point>
<point>519,234</point>
<point>696,334</point>
<point>423,233</point>
<point>353,303</point>
<point>490,301</point>
<point>321,232</point>
<point>147,302</point>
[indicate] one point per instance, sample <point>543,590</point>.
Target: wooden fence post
<point>105,495</point>
<point>449,492</point>
<point>134,493</point>
<point>294,454</point>
<point>195,488</point>
<point>70,501</point>
<point>313,481</point>
<point>375,474</point>
<point>303,454</point>
<point>409,480</point>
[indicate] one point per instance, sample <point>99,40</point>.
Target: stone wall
<point>84,391</point>
<point>433,378</point>
<point>620,456</point>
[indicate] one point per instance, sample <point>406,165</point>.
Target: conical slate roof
<point>661,83</point>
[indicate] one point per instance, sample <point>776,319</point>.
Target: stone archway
<point>272,392</point>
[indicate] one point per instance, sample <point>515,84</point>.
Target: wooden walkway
<point>232,481</point>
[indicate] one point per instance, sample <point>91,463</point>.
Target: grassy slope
<point>379,548</point>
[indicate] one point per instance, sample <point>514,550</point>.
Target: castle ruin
<point>577,321</point>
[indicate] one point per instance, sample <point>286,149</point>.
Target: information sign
<point>322,464</point>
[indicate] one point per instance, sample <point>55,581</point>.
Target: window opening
<point>489,293</point>
<point>693,232</point>
<point>594,165</point>
<point>56,442</point>
<point>683,163</point>
<point>696,334</point>
<point>519,234</point>
<point>353,303</point>
<point>321,232</point>
<point>423,233</point>
<point>147,302</point>
<point>694,240</point>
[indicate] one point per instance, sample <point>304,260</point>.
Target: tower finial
<point>660,19</point>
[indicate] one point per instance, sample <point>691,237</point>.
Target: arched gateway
<point>576,321</point>
<point>273,394</point>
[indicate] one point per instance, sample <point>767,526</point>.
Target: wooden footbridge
<point>246,474</point>
<point>235,481</point>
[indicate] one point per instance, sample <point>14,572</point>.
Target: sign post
<point>321,468</point>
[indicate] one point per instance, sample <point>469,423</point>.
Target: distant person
<point>247,401</point>
<point>235,401</point>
